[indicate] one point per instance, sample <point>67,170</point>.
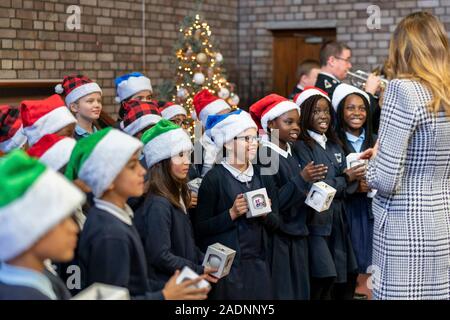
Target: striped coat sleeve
<point>397,125</point>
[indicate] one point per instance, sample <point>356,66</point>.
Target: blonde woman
<point>410,166</point>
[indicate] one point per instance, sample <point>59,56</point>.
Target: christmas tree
<point>198,66</point>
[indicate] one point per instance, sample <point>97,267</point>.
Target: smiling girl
<point>280,119</point>
<point>332,261</point>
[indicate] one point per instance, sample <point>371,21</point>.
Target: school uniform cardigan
<point>168,238</point>
<point>215,225</point>
<point>111,252</point>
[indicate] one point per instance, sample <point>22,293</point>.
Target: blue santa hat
<point>224,128</point>
<point>130,84</point>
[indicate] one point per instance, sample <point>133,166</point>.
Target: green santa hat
<point>164,141</point>
<point>98,159</point>
<point>34,199</point>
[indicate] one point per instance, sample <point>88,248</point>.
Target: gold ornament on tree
<point>201,58</point>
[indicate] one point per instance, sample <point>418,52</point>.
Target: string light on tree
<point>198,65</point>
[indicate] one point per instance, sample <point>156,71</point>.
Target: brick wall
<point>370,47</point>
<point>35,44</point>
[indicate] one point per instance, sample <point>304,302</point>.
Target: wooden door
<point>290,48</point>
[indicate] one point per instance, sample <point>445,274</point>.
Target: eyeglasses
<point>348,60</point>
<point>247,138</point>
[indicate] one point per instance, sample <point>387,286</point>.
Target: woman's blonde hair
<point>419,49</point>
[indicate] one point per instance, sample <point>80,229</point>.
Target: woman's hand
<point>312,173</point>
<point>239,208</point>
<point>370,153</point>
<point>184,291</point>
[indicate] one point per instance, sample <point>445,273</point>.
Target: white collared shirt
<point>321,139</point>
<point>277,149</point>
<point>19,276</point>
<point>124,215</point>
<point>245,176</point>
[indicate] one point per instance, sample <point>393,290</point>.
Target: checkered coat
<point>411,244</point>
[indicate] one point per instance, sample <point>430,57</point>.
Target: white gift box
<point>354,160</point>
<point>219,257</point>
<point>320,196</point>
<point>258,203</point>
<point>100,291</point>
<point>189,274</point>
<point>194,185</point>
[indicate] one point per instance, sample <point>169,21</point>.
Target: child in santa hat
<point>221,210</point>
<point>355,131</point>
<point>50,115</point>
<point>175,113</point>
<point>280,118</point>
<point>110,249</point>
<point>11,129</point>
<point>138,117</point>
<point>132,86</point>
<point>178,115</point>
<point>35,211</point>
<point>206,104</point>
<point>164,222</point>
<point>333,264</point>
<point>84,98</point>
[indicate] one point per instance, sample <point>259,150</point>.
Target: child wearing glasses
<point>221,212</point>
<point>279,118</point>
<point>332,261</point>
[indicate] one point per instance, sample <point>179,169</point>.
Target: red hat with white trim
<point>205,104</point>
<point>269,108</point>
<point>139,115</point>
<point>75,87</point>
<point>170,110</point>
<point>41,117</point>
<point>53,150</point>
<point>308,93</point>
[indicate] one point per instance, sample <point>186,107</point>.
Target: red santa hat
<point>206,104</point>
<point>269,108</point>
<point>53,150</point>
<point>308,93</point>
<point>170,110</point>
<point>41,117</point>
<point>11,133</point>
<point>76,87</point>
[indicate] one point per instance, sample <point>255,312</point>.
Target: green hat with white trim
<point>98,159</point>
<point>163,141</point>
<point>34,199</point>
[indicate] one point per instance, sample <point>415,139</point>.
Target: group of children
<point>139,223</point>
